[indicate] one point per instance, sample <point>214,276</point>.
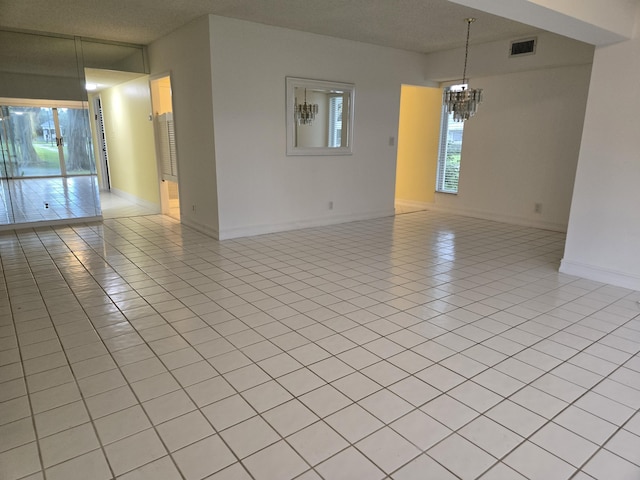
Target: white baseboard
<point>497,217</point>
<point>209,231</point>
<point>251,230</point>
<point>599,274</point>
<point>413,204</point>
<point>154,207</point>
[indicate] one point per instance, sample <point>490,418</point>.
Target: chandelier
<point>305,113</point>
<point>463,103</point>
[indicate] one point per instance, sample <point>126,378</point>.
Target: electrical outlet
<point>330,205</point>
<point>193,208</point>
<point>392,141</point>
<point>537,208</point>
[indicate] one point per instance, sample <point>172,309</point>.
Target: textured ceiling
<point>415,25</point>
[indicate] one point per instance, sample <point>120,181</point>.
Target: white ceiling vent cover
<point>523,47</point>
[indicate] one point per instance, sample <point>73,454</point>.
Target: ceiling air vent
<point>523,47</point>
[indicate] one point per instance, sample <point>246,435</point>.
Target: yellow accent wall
<point>161,95</point>
<point>130,141</point>
<point>418,136</point>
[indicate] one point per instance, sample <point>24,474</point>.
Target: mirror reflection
<point>47,167</point>
<point>319,117</point>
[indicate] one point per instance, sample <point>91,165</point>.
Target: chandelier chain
<point>462,102</point>
<point>466,49</point>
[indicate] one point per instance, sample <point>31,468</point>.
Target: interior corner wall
<point>521,149</point>
<point>129,132</point>
<point>186,54</point>
<point>260,188</point>
<point>418,139</point>
<point>603,238</point>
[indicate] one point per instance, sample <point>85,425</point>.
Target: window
<point>449,151</point>
<point>335,120</point>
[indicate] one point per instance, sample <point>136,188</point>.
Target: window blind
<point>335,121</point>
<point>449,151</point>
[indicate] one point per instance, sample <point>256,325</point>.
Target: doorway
<point>417,155</point>
<point>124,142</point>
<point>164,129</point>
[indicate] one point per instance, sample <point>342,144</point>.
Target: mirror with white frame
<point>319,117</point>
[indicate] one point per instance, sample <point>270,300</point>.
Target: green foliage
<point>32,143</point>
<point>48,155</point>
<point>452,166</point>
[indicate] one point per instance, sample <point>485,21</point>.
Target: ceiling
<point>414,25</point>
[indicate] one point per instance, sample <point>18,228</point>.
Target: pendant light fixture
<point>463,103</point>
<point>305,113</point>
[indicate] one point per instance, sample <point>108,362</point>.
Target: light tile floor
<point>402,208</point>
<point>423,346</point>
<point>114,206</point>
<point>56,198</point>
<point>25,200</point>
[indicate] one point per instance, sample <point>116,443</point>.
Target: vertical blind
<point>449,151</point>
<point>167,146</point>
<point>335,121</point>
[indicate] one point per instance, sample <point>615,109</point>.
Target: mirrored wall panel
<point>47,164</point>
<point>47,169</point>
<point>319,117</point>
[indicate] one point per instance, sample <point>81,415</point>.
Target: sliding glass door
<point>76,153</point>
<point>44,141</point>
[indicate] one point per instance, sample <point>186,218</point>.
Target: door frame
<point>162,179</point>
<point>101,140</point>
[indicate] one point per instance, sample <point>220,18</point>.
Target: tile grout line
<point>335,355</point>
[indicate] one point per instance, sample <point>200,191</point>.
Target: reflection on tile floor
<point>423,346</point>
<point>114,206</point>
<point>45,199</point>
<point>402,208</point>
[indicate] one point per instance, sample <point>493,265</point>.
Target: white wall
<point>185,53</point>
<point>603,240</point>
<point>522,147</point>
<point>261,189</point>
